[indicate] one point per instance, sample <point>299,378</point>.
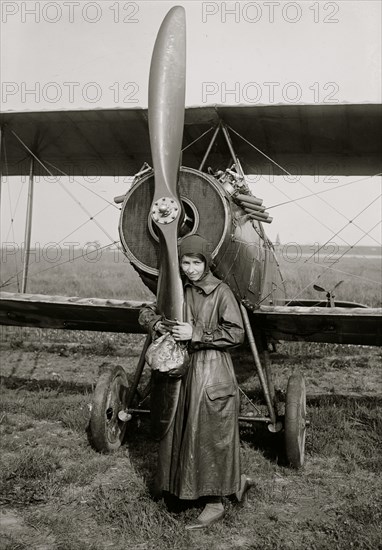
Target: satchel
<point>167,355</point>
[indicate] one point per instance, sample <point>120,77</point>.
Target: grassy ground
<point>58,493</point>
<point>361,279</point>
<point>108,274</point>
<point>80,272</point>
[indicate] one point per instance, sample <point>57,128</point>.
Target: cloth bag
<point>168,356</point>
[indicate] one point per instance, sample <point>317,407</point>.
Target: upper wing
<point>315,139</point>
<point>312,324</point>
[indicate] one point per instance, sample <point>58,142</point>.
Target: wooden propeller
<point>166,120</point>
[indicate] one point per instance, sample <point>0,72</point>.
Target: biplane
<point>190,166</point>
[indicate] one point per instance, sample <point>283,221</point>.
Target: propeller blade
<point>167,84</point>
<point>166,121</point>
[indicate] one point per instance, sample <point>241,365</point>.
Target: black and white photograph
<point>190,286</point>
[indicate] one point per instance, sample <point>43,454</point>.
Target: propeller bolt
<point>164,210</point>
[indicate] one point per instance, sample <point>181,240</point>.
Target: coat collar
<point>208,283</point>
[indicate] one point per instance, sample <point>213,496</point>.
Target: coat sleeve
<point>148,317</point>
<point>229,331</point>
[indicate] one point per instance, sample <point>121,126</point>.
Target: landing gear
<point>106,428</point>
<point>114,397</point>
<point>295,420</point>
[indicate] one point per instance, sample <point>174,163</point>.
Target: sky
<point>84,55</point>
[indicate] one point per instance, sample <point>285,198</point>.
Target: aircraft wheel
<point>106,429</point>
<point>295,420</point>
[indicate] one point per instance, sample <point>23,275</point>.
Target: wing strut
<point>274,425</point>
<point>1,162</point>
<point>28,228</point>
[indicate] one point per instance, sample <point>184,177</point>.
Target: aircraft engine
<point>242,255</point>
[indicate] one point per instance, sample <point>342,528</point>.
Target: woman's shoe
<point>245,484</point>
<point>213,512</point>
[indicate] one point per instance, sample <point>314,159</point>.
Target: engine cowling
<point>242,256</point>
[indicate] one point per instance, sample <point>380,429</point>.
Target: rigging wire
<point>70,260</point>
<point>306,187</point>
<point>83,224</point>
<point>344,227</point>
<point>63,186</point>
<point>339,212</point>
<point>197,139</point>
<point>331,268</point>
<point>361,277</point>
<point>305,210</point>
<point>259,151</point>
<point>110,203</point>
<point>341,256</point>
<point>324,191</point>
<point>319,221</point>
<point>7,282</point>
<point>91,218</point>
<point>82,185</point>
<point>12,213</point>
<point>300,206</point>
<point>335,261</point>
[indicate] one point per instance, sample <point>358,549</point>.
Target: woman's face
<point>192,267</point>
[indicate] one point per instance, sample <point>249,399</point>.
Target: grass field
<point>108,274</point>
<point>361,279</point>
<point>57,493</point>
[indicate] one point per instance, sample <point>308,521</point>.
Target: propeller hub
<point>165,210</point>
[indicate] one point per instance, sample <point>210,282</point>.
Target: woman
<point>199,455</point>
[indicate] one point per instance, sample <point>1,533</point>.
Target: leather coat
<point>199,454</point>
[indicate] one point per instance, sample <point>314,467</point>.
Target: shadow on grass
<point>143,450</point>
<point>270,445</point>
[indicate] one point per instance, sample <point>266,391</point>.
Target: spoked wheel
<point>107,430</point>
<point>295,420</point>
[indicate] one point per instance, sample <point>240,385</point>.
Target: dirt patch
<point>79,368</point>
<point>10,522</point>
<point>16,534</point>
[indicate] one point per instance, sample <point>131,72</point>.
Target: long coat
<point>199,455</point>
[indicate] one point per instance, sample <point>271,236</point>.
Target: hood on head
<point>195,244</point>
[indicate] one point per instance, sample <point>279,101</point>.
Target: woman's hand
<point>161,328</point>
<point>182,331</point>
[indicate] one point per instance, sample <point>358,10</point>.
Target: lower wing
<point>342,325</point>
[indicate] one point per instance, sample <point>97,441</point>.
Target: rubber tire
<point>106,430</point>
<point>295,421</point>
